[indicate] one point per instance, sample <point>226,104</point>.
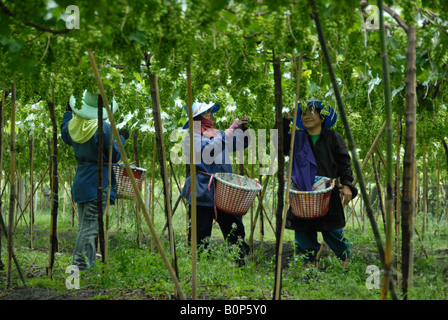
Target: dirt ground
<point>267,249</point>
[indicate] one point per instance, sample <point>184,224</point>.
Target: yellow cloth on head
<point>82,129</point>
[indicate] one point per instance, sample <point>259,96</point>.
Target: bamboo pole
<point>100,189</point>
<point>438,188</point>
<point>380,191</point>
<point>258,213</point>
<point>31,200</point>
<point>409,162</point>
<point>12,184</point>
<point>35,190</point>
<point>425,192</point>
<point>389,205</point>
<point>132,178</point>
<point>5,232</point>
<point>193,210</point>
<point>12,196</point>
<point>154,88</point>
<point>409,165</point>
<point>2,122</point>
<point>109,179</point>
<point>153,203</point>
<point>288,183</point>
<point>371,150</point>
<point>397,198</point>
<point>137,213</point>
<point>348,132</point>
<point>54,189</point>
<point>281,169</point>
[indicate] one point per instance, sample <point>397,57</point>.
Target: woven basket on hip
<point>312,204</point>
<point>124,184</point>
<point>234,194</point>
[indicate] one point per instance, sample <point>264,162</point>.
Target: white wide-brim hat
<point>89,107</point>
<point>199,108</point>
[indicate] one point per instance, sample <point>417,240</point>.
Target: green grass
<point>134,272</point>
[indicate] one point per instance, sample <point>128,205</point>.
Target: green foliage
<point>230,46</point>
<point>133,272</point>
<point>410,9</point>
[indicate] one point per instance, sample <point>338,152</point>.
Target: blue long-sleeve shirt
<point>211,156</point>
<point>84,187</point>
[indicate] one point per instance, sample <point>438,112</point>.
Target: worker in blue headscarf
<point>319,151</point>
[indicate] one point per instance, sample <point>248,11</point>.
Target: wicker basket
<point>234,194</point>
<point>124,184</point>
<point>312,204</point>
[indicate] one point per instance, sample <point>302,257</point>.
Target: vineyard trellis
<point>255,56</point>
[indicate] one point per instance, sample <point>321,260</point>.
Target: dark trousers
<point>307,244</point>
<point>231,226</point>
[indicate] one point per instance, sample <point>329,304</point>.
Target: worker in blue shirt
<point>79,130</point>
<point>212,147</point>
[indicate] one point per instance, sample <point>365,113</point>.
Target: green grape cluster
<point>410,10</point>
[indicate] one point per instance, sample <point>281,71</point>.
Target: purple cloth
<point>304,168</point>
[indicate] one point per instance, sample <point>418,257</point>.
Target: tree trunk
<point>409,164</point>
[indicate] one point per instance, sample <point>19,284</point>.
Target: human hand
<point>232,128</point>
<point>235,124</point>
<point>243,123</point>
<point>346,195</point>
<point>288,115</point>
